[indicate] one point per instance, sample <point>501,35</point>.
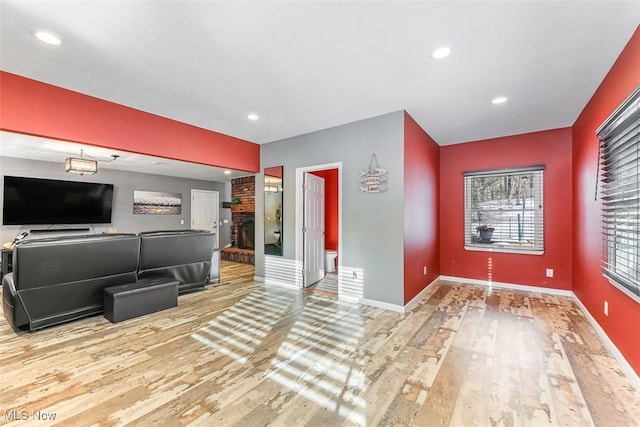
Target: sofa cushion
<point>184,255</point>
<point>61,279</point>
<point>72,259</point>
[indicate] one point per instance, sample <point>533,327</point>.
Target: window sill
<point>502,249</point>
<point>622,289</point>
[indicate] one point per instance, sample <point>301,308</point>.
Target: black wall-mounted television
<point>49,201</point>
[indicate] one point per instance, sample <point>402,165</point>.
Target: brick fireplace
<point>243,230</point>
<point>242,222</point>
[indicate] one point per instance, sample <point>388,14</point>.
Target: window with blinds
<point>503,210</point>
<point>620,192</point>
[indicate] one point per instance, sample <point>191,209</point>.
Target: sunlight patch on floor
<point>318,360</point>
<point>238,330</point>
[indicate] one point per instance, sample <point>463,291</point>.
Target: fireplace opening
<point>246,234</point>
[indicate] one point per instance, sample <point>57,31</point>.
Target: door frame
<point>217,209</point>
<point>299,220</point>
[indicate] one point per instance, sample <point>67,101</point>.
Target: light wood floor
<point>241,353</point>
<point>327,286</point>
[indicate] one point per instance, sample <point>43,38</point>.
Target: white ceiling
<point>36,148</point>
<point>308,65</point>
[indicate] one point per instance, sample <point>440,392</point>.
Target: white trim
<point>258,279</point>
<point>537,209</point>
<point>503,249</point>
<point>622,289</point>
<point>299,249</point>
<point>380,304</point>
<point>624,364</point>
<point>282,284</point>
<point>348,299</point>
<point>414,301</point>
<point>372,303</point>
<point>504,285</point>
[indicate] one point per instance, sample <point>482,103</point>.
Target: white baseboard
<point>355,300</point>
<point>408,306</point>
<point>626,367</point>
<point>348,298</point>
<point>280,283</point>
<point>504,285</point>
<point>380,304</point>
<point>624,364</point>
<point>393,307</point>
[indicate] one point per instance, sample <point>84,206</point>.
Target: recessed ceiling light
<point>47,37</point>
<point>253,117</point>
<point>227,172</point>
<point>499,100</point>
<point>440,53</point>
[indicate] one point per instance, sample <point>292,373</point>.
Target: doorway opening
<point>307,254</point>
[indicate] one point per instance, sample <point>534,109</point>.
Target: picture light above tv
<point>49,201</point>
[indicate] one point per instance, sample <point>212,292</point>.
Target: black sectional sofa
<point>56,280</point>
<point>182,255</point>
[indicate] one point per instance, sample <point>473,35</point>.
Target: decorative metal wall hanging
<point>374,179</point>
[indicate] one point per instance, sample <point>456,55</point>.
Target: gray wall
<point>372,224</point>
<point>124,183</point>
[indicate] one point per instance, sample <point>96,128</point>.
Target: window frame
<point>538,211</point>
<point>619,181</point>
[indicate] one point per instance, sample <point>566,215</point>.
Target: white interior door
<point>204,211</point>
<point>313,229</point>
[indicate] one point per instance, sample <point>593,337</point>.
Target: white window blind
<point>620,192</point>
<point>504,209</point>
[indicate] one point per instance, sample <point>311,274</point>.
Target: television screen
<point>48,201</point>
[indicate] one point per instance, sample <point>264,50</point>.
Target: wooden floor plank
<point>241,353</point>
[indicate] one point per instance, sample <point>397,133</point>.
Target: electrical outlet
<point>549,272</point>
<point>425,270</point>
<point>606,308</point>
<point>182,221</point>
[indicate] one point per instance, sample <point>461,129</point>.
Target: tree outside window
<point>504,209</point>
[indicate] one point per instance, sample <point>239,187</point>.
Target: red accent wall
<point>330,207</point>
<point>550,148</point>
<point>421,210</point>
<point>35,108</point>
<point>623,323</point>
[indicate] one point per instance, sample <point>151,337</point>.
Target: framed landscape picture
<point>157,203</point>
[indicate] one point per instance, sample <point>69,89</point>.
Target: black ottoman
<point>147,296</point>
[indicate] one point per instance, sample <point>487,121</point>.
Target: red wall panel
<point>623,323</point>
<point>35,108</point>
<point>550,148</point>
<point>420,228</point>
<point>330,207</point>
